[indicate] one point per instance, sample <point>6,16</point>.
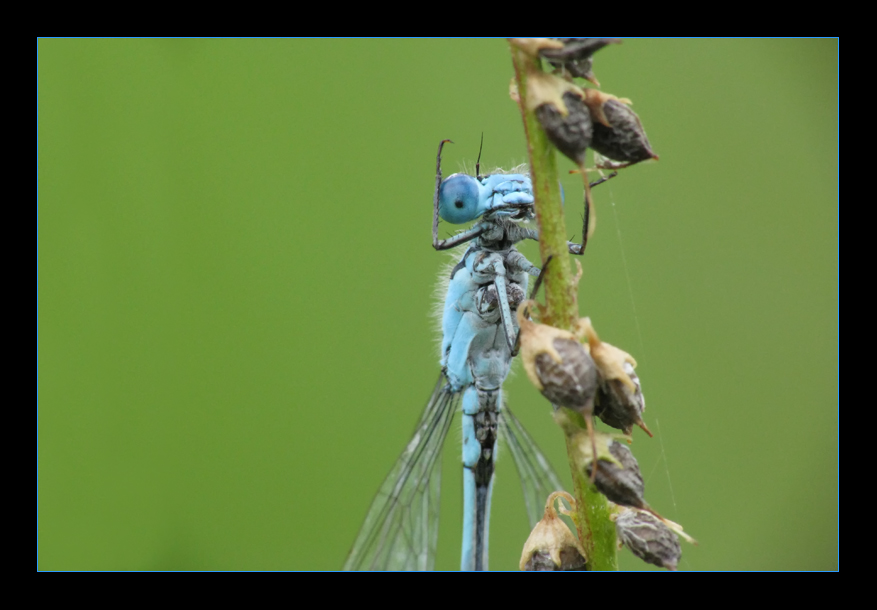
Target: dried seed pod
<point>571,382</point>
<point>619,402</point>
<point>617,475</point>
<point>648,538</point>
<point>576,56</point>
<point>551,545</point>
<point>618,132</point>
<point>557,364</point>
<point>619,479</point>
<point>570,561</point>
<point>570,133</point>
<point>619,407</point>
<point>559,105</point>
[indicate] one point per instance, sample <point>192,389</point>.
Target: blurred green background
<point>235,280</point>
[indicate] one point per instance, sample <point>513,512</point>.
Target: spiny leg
<point>589,222</point>
<point>538,283</point>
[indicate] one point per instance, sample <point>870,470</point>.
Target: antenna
<point>478,162</point>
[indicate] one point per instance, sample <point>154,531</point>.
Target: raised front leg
<point>435,201</point>
<point>456,240</point>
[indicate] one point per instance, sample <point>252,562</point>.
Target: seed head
<point>619,402</point>
<point>618,132</point>
<point>618,478</point>
<point>648,538</point>
<point>571,134</point>
<point>576,56</point>
<point>559,105</point>
<point>559,366</point>
<point>557,363</point>
<point>551,545</point>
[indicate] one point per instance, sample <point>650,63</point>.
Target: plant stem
<point>595,528</point>
<point>560,291</point>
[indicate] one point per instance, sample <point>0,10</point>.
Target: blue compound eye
<point>459,199</point>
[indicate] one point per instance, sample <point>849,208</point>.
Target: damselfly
<point>479,330</point>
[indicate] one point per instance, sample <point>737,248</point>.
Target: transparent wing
<point>538,478</point>
<point>401,527</point>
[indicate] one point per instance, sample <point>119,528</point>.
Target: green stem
<point>595,528</point>
<point>560,290</point>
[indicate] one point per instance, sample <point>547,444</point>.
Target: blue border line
<point>837,301</point>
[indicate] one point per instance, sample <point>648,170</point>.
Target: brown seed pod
<point>560,107</point>
<point>570,133</point>
<point>618,132</point>
<point>559,366</point>
<point>570,561</point>
<point>571,382</point>
<point>648,538</point>
<point>619,407</point>
<point>619,479</point>
<point>619,402</point>
<point>617,475</point>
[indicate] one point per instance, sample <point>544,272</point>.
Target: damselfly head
<point>463,198</point>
